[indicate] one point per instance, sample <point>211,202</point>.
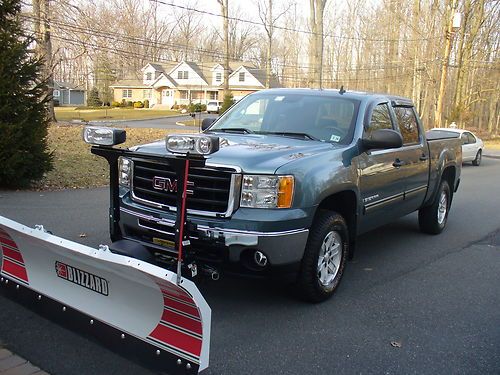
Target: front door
<point>167,97</point>
<point>380,182</point>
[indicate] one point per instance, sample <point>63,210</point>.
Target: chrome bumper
<point>281,247</point>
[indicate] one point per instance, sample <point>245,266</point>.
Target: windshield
<point>319,117</point>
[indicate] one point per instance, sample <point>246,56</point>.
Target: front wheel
<point>432,219</point>
<point>324,257</point>
<point>477,160</point>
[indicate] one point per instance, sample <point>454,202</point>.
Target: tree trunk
<point>224,5</point>
<point>438,116</point>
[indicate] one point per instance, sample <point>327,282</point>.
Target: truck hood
<point>255,153</point>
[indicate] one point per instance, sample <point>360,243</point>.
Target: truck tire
<point>477,160</point>
<point>324,258</point>
<point>432,219</point>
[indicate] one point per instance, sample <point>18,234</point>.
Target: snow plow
<point>115,292</point>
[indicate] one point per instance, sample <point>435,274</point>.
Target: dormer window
<point>182,74</point>
<point>149,76</point>
<point>218,77</point>
<point>241,77</point>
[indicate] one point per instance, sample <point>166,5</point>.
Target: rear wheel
<point>432,219</point>
<point>477,160</point>
<point>324,258</point>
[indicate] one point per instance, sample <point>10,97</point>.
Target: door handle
<point>423,157</point>
<point>397,163</point>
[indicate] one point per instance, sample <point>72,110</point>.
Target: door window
<point>471,138</point>
<point>380,119</point>
<point>407,123</point>
<point>465,139</point>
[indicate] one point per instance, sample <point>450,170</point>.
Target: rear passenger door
<point>414,157</point>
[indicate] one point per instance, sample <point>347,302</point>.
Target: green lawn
<point>75,166</point>
<point>72,113</point>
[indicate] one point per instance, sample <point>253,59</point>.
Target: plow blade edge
<point>122,300</point>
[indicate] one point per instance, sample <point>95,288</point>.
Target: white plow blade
<point>140,301</point>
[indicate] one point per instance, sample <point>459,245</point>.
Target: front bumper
<point>215,244</point>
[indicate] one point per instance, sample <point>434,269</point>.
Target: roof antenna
<point>341,91</point>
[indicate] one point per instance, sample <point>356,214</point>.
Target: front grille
<point>211,187</point>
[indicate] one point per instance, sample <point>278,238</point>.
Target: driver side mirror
<point>383,139</point>
<point>205,124</point>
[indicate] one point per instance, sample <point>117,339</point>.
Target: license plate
<point>163,242</point>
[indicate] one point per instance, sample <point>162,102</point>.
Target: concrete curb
<point>79,122</point>
<point>11,364</point>
<point>491,156</point>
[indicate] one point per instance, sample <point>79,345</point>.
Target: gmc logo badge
<point>165,184</point>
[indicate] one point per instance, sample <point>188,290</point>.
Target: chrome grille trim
<point>233,195</point>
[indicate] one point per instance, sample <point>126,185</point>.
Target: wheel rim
<point>329,258</point>
<point>442,207</point>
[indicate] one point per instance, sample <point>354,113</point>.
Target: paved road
<point>437,296</point>
<point>160,123</point>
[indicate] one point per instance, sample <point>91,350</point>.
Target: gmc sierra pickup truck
<point>297,175</point>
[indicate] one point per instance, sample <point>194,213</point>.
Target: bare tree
<point>317,8</point>
<point>265,8</point>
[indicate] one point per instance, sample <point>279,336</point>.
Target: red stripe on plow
<point>14,269</point>
<point>177,339</point>
<point>16,255</point>
<point>7,241</point>
<point>177,293</point>
<point>181,307</point>
<point>182,321</point>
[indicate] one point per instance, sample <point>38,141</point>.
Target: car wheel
<point>432,219</point>
<point>324,258</point>
<point>477,160</point>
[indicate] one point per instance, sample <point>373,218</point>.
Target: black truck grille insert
<point>210,187</point>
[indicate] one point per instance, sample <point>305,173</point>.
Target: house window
<point>241,77</point>
<point>146,94</point>
<point>149,76</point>
<point>56,93</point>
<point>184,94</point>
<point>218,77</point>
<point>182,74</point>
<point>127,93</point>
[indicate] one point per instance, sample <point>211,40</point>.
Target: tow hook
<point>210,271</point>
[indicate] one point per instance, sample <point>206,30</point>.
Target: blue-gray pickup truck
<point>298,175</point>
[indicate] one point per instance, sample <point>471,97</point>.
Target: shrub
<point>130,103</point>
<point>116,104</point>
<point>203,107</point>
<point>93,98</point>
<point>146,103</point>
<point>228,102</point>
<point>138,105</point>
<point>183,106</point>
<point>195,107</point>
<point>24,155</point>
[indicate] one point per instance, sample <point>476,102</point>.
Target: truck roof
<point>358,95</point>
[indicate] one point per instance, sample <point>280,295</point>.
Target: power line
<point>148,44</point>
<point>285,28</point>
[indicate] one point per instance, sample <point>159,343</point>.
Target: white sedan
<point>472,145</point>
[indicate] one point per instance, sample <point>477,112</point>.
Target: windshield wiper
<point>295,135</point>
<point>233,130</point>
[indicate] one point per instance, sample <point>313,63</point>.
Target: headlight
<point>95,135</point>
<point>124,169</point>
<point>261,191</point>
<point>198,144</point>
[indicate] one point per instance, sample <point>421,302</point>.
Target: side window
<point>465,139</point>
<point>380,119</point>
<point>472,139</point>
<point>408,126</point>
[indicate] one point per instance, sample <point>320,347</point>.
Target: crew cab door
<point>414,156</point>
<point>380,182</point>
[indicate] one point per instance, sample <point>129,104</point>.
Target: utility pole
<point>224,5</point>
<point>438,116</point>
